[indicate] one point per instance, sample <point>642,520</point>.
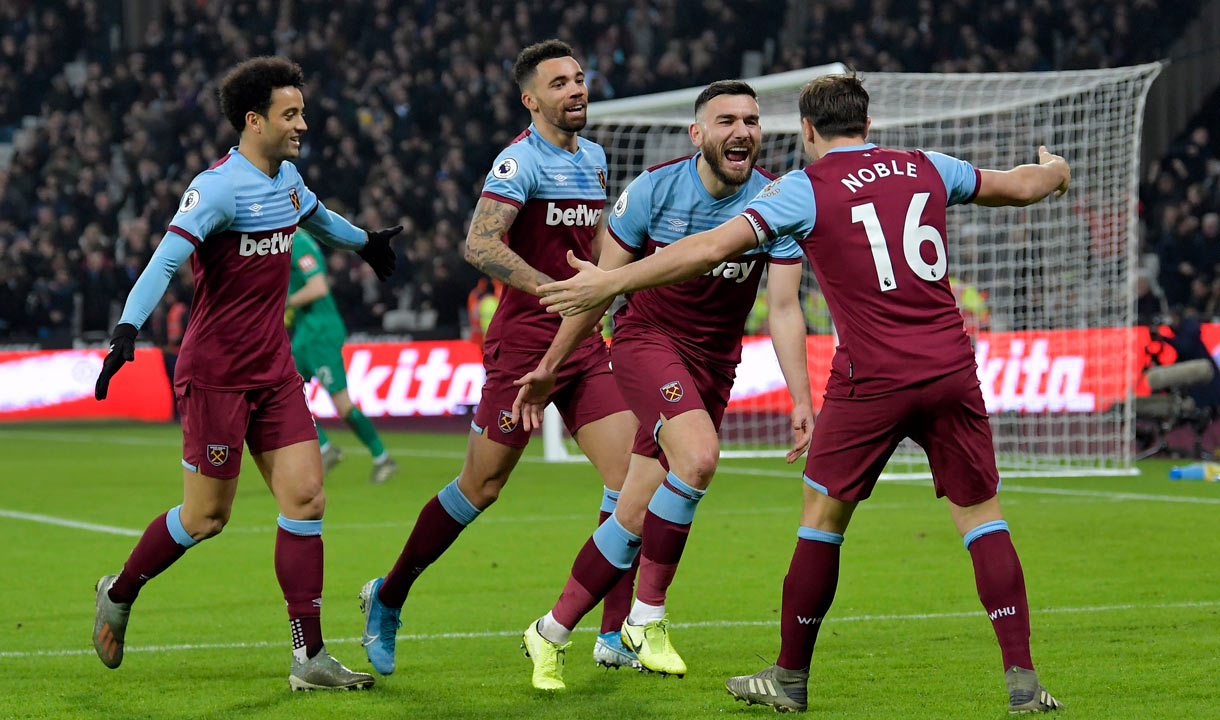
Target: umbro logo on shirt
<point>676,224</point>
<point>256,208</point>
<point>561,179</point>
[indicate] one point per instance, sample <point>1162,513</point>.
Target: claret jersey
<point>705,315</point>
<point>873,226</point>
<point>241,223</point>
<point>560,196</point>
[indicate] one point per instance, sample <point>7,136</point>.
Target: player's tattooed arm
<point>487,251</point>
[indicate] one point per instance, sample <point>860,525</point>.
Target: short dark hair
<point>723,87</point>
<point>249,85</point>
<point>837,105</point>
<point>528,59</point>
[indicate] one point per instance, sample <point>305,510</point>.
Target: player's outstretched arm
<point>1024,184</point>
<point>144,296</point>
<point>372,246</point>
<point>788,338</point>
<point>487,251</point>
<point>690,257</point>
<point>536,385</point>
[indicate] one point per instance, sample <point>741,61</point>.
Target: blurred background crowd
<point>408,103</point>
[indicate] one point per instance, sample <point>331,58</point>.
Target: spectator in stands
<point>410,103</point>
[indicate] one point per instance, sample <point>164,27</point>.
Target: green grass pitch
<point>1123,577</point>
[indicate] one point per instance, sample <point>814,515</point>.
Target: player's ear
<point>529,102</point>
<point>696,134</point>
<point>252,121</point>
<point>868,123</point>
<point>807,130</point>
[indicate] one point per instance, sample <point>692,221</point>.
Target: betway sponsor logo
<point>579,215</point>
<point>423,381</point>
<point>728,269</point>
<point>1030,380</point>
<point>738,271</point>
<point>272,245</point>
<point>1003,612</point>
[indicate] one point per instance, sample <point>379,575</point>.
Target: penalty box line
<point>714,624</point>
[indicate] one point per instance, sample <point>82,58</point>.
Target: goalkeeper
<point>317,342</point>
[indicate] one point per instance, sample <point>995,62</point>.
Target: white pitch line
<point>724,469</point>
<point>707,624</point>
<point>64,522</point>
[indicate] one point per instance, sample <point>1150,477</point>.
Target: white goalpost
<point>1048,291</point>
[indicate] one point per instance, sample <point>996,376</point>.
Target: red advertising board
<point>1055,371</point>
<point>58,385</point>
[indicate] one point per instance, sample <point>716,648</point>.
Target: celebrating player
<point>235,379</point>
<point>675,355</point>
<point>873,223</point>
<point>543,196</point>
<point>317,347</point>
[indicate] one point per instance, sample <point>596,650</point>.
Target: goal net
<point>1047,291</point>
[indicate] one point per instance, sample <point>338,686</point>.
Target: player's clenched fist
<point>1046,157</point>
<point>122,350</point>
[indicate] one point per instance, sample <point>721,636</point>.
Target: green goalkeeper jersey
<point>318,321</point>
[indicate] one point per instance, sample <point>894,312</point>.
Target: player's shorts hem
<point>188,466</point>
<point>816,485</point>
<point>283,442</point>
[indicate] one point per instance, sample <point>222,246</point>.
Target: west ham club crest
<point>672,392</point>
<point>217,454</point>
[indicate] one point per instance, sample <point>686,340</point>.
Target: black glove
<point>378,253</point>
<point>122,349</point>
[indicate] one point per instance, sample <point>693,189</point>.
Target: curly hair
<point>249,85</point>
<point>528,59</point>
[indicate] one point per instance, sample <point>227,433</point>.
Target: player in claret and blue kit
<point>543,198</point>
<point>873,223</point>
<point>675,353</point>
<point>235,381</point>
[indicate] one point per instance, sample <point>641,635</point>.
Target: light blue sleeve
<point>961,179</point>
<point>513,177</point>
<point>333,229</point>
<point>306,197</point>
<point>784,207</point>
<point>206,207</point>
<point>632,212</point>
<point>150,286</point>
<point>784,248</point>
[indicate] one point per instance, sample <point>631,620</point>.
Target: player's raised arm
<point>690,257</point>
<point>782,208</point>
<point>1024,184</point>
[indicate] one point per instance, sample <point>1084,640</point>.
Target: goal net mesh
<point>1047,291</point>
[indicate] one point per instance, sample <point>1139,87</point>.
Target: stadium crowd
<point>409,103</point>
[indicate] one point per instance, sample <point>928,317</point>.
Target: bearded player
<point>235,379</point>
<point>675,355</point>
<point>543,198</point>
<point>873,223</point>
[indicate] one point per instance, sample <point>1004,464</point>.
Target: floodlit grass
<point>1123,577</point>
